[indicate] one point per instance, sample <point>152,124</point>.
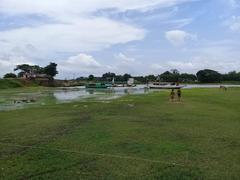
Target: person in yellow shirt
<point>172,95</point>
<point>179,94</point>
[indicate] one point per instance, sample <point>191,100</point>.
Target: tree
<point>23,68</point>
<point>91,77</point>
<point>140,79</point>
<point>126,77</point>
<point>231,76</point>
<point>119,78</point>
<point>208,76</point>
<point>150,78</point>
<point>170,76</point>
<point>10,75</point>
<point>185,77</point>
<point>26,68</point>
<point>175,71</point>
<point>108,76</point>
<point>51,69</point>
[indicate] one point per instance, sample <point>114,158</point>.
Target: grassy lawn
<point>134,137</point>
<point>10,83</point>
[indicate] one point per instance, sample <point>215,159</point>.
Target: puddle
<point>18,99</point>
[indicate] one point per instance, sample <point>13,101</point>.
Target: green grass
<point>10,83</point>
<point>15,83</point>
<point>134,137</point>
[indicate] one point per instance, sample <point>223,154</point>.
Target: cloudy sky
<point>122,36</point>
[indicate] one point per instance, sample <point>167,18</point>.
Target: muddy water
<point>18,99</point>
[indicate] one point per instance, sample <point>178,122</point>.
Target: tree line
<point>202,76</point>
<point>49,70</point>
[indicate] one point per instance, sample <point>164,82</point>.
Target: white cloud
<point>197,63</point>
<point>83,63</point>
<point>234,23</point>
<point>222,56</point>
<point>179,23</point>
<point>233,3</point>
<point>156,68</point>
<point>126,64</point>
<point>83,35</point>
<point>74,25</point>
<point>178,37</point>
<point>57,7</point>
<point>70,27</point>
<point>124,58</point>
<point>7,64</point>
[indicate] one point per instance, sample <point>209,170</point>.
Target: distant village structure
<point>36,76</point>
<point>41,79</point>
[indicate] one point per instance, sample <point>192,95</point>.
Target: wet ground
<point>21,98</point>
<point>17,99</point>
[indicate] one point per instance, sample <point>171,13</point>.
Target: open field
<point>10,83</point>
<point>133,137</point>
<point>15,83</point>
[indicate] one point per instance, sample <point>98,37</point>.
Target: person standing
<point>172,95</point>
<point>179,94</point>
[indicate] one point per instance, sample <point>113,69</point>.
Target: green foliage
<point>150,78</point>
<point>26,68</point>
<point>185,77</point>
<point>51,69</point>
<point>231,76</point>
<point>15,83</point>
<point>126,77</point>
<point>204,76</point>
<point>10,75</point>
<point>208,76</point>
<point>118,78</point>
<point>91,77</point>
<point>170,76</point>
<point>108,76</point>
<point>10,83</point>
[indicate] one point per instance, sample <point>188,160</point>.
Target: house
<point>33,76</point>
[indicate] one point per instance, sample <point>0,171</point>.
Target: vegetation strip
<point>97,154</point>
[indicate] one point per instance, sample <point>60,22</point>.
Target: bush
<point>10,83</point>
<point>9,75</point>
<point>208,76</point>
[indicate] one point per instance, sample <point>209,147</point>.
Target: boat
<point>118,85</point>
<point>98,85</point>
<point>160,85</point>
<point>129,83</point>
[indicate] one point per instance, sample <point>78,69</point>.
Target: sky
<point>139,37</point>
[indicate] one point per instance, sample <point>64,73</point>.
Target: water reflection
<point>20,99</point>
<point>111,93</point>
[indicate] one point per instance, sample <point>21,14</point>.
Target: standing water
<point>19,98</point>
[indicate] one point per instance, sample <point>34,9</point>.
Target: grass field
<point>10,83</point>
<point>15,83</point>
<point>134,137</point>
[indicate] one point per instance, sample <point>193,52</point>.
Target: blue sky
<point>123,36</point>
